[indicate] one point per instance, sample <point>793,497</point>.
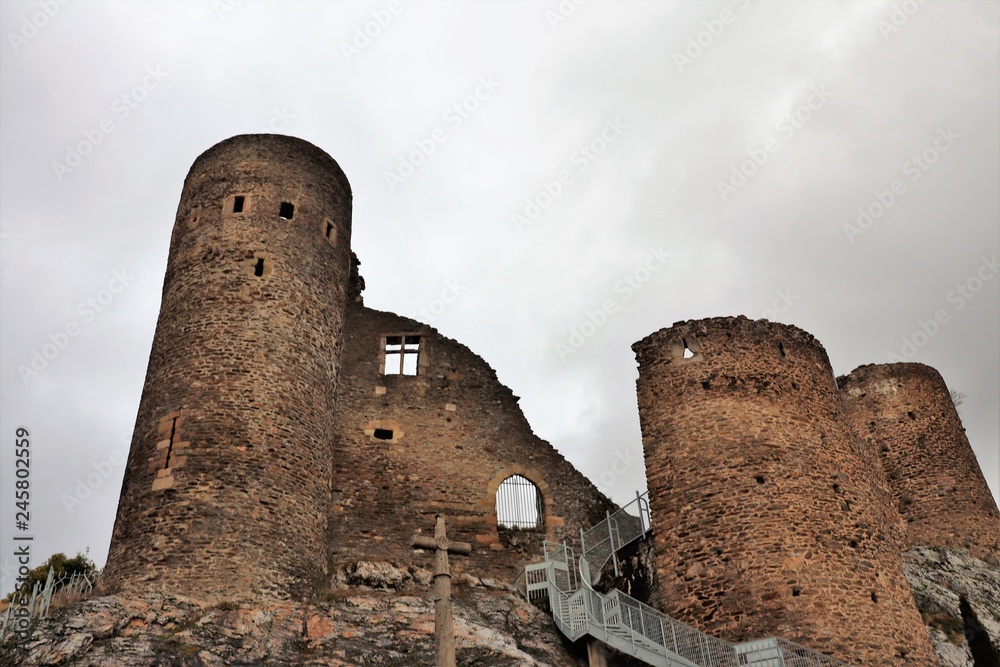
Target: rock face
<point>375,614</point>
<point>958,596</point>
<point>378,613</point>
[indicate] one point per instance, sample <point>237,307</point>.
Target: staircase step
<point>571,615</point>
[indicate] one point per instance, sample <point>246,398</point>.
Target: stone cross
<point>444,634</point>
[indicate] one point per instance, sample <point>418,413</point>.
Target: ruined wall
<point>226,490</point>
<point>770,517</point>
<point>457,433</point>
<point>906,413</point>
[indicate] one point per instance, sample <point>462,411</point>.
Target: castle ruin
<point>284,428</point>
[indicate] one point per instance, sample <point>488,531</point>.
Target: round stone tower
<point>227,486</point>
<point>906,413</point>
<point>770,518</point>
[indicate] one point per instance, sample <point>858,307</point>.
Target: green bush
<point>61,565</point>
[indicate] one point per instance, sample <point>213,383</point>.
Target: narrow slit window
<point>238,201</point>
<point>173,439</point>
<point>687,350</point>
<point>331,231</point>
<point>286,211</point>
<point>519,504</point>
<point>258,269</point>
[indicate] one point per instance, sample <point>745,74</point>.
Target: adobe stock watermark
<point>7,571</point>
<point>121,108</point>
<point>33,24</point>
<point>280,120</point>
<point>86,486</point>
<point>364,34</point>
<point>562,13</point>
<point>624,460</point>
<point>958,298</point>
<point>786,127</point>
<point>914,167</point>
<point>782,303</point>
<point>87,311</point>
<point>454,117</point>
<point>624,290</point>
<point>581,160</point>
<point>898,17</point>
<point>225,7</point>
<point>704,39</point>
<point>449,294</point>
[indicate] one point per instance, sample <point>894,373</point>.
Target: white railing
<point>63,588</point>
<point>604,540</point>
<point>629,625</point>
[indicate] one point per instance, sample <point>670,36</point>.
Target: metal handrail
<point>604,540</point>
<point>40,599</point>
<point>631,626</point>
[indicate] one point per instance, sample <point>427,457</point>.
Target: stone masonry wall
<point>906,413</point>
<point>457,434</point>
<point>770,517</point>
<point>226,490</point>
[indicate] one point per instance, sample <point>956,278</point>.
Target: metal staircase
<point>627,624</point>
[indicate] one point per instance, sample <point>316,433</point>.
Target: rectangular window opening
<point>258,269</point>
<point>330,231</point>
<point>238,204</point>
<point>402,355</point>
<point>286,211</point>
<point>383,434</point>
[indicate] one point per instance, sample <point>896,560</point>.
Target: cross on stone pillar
<point>444,634</point>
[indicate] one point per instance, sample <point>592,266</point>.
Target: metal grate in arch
<point>519,504</point>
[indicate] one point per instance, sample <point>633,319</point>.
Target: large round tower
<point>227,486</point>
<point>906,413</point>
<point>769,516</point>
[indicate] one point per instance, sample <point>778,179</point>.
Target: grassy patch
<point>953,628</point>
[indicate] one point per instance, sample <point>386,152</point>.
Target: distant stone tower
<point>906,412</point>
<point>227,486</point>
<point>770,517</point>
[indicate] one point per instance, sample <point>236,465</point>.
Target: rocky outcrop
<point>373,614</point>
<point>958,596</point>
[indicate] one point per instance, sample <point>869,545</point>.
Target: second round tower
<point>770,517</point>
<point>906,413</point>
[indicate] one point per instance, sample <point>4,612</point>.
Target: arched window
<point>519,504</point>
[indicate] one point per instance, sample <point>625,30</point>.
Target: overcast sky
<point>533,162</point>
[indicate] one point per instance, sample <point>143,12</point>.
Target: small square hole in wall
<point>260,265</point>
<point>388,431</point>
<point>286,211</point>
<point>236,205</point>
